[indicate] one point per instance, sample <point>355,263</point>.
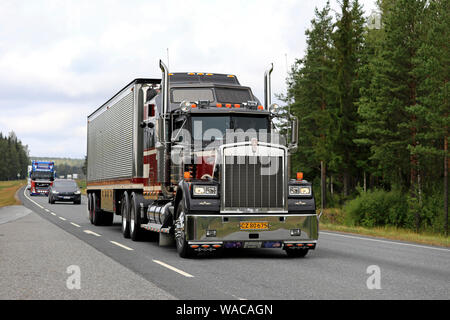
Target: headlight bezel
<point>300,191</point>
<point>209,190</point>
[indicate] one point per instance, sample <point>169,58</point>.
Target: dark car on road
<point>64,190</point>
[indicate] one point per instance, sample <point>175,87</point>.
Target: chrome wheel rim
<point>179,230</point>
<point>132,220</point>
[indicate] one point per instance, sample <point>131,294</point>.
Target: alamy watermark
<point>374,280</point>
<point>74,280</point>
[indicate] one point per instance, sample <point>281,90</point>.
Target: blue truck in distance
<point>42,176</point>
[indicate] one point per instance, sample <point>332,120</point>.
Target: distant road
<point>337,269</point>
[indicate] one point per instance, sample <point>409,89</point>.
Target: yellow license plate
<point>254,225</point>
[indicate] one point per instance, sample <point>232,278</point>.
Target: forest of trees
<point>13,158</point>
<point>372,99</point>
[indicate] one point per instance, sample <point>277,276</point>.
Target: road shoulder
<point>41,261</point>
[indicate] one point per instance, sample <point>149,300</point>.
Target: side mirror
<point>294,134</point>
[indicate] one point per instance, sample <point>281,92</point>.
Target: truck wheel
<point>125,210</point>
<point>296,253</point>
<point>90,207</point>
<point>183,248</point>
<point>96,211</point>
<point>135,219</point>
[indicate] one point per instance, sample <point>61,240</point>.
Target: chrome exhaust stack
<point>268,87</point>
<point>163,147</point>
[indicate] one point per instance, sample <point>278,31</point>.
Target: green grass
<point>333,220</point>
<point>82,185</point>
<point>8,190</point>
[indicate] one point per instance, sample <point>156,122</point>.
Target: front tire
<point>183,248</point>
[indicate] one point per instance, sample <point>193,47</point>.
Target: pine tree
<point>388,107</point>
<point>433,70</point>
<point>348,48</point>
<point>309,90</point>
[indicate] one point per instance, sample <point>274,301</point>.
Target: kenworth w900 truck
<point>195,157</point>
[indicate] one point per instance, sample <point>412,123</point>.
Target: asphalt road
<point>340,267</point>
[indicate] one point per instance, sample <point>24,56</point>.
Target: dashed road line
<point>52,213</point>
<point>76,225</point>
<point>187,275</point>
<point>121,245</point>
<point>63,219</point>
<point>92,232</point>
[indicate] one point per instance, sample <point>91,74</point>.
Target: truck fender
<point>182,193</point>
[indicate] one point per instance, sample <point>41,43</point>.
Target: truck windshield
<point>204,127</point>
<point>192,94</point>
<point>222,95</point>
<point>233,95</point>
<point>41,175</point>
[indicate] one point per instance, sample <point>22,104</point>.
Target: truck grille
<point>252,182</point>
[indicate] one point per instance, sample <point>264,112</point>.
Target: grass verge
<point>391,233</point>
<point>82,185</point>
<point>8,191</point>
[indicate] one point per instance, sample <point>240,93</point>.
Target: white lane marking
<point>174,269</point>
<point>53,214</point>
<point>24,193</point>
<point>384,241</point>
<point>63,219</point>
<point>121,245</point>
<point>76,225</point>
<point>92,232</point>
<point>47,210</point>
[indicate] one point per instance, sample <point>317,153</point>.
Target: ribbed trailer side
<point>110,145</point>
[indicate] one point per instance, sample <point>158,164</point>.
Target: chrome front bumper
<point>227,228</point>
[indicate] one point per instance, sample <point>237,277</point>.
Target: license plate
<point>254,225</point>
<point>66,197</point>
<point>253,245</point>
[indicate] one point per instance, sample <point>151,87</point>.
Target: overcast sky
<point>60,60</point>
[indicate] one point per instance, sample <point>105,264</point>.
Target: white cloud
<point>59,60</point>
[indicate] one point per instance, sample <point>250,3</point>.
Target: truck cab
<point>229,181</point>
<point>42,175</point>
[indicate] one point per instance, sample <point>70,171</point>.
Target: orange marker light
<point>228,105</point>
<point>193,105</point>
<point>299,175</point>
<point>219,105</point>
<point>237,105</point>
<point>260,108</point>
<point>187,175</point>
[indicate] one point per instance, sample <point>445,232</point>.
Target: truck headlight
<point>204,190</point>
<point>299,191</point>
<point>77,192</point>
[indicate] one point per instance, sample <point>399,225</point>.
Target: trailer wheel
<point>180,235</point>
<point>135,219</point>
<point>297,253</point>
<point>125,211</point>
<point>90,208</point>
<point>96,211</point>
